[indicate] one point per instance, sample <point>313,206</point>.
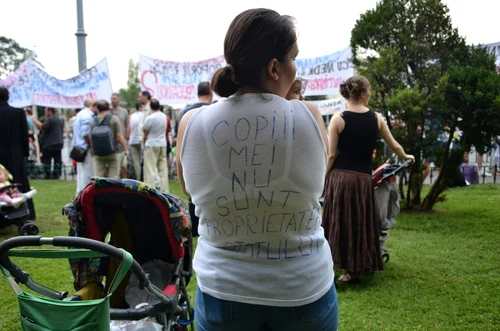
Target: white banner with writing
<point>326,73</point>
<point>176,82</point>
<point>19,86</point>
<point>30,84</point>
<point>330,106</point>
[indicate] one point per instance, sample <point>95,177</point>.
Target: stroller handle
<point>74,242</point>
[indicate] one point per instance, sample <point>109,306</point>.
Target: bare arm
<point>145,129</point>
<point>319,119</point>
<point>38,124</point>
<point>123,142</point>
<point>127,126</point>
<point>180,138</point>
<point>386,134</point>
<point>87,140</point>
<point>334,129</point>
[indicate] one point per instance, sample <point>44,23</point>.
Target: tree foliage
<point>410,51</point>
<point>12,55</point>
<point>469,97</point>
<point>130,94</point>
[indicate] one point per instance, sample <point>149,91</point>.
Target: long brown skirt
<point>350,221</point>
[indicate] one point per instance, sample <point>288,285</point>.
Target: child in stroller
<point>9,194</point>
<point>13,209</point>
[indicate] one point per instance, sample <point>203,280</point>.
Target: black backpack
<point>103,140</point>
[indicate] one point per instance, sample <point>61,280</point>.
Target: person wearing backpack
<point>105,132</point>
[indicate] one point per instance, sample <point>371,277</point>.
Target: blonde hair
<point>5,171</point>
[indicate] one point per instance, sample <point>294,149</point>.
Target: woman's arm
<point>334,129</point>
<point>180,138</point>
<point>319,119</point>
<point>37,123</point>
<point>386,134</point>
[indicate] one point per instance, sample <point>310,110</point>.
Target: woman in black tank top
<point>349,214</point>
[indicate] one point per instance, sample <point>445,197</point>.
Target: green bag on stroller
<point>44,314</point>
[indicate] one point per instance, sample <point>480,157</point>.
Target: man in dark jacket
<point>14,143</point>
<point>52,143</point>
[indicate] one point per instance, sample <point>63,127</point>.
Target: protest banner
<point>176,82</point>
<point>19,86</point>
<point>331,106</point>
<point>326,73</point>
<point>30,84</point>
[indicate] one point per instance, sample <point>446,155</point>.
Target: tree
<point>470,99</point>
<point>404,47</point>
<point>130,94</point>
<point>12,55</point>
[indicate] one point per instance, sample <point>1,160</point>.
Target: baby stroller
<point>155,229</point>
<point>60,312</point>
<point>387,199</point>
<point>9,215</point>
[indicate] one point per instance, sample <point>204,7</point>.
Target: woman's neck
<point>357,107</point>
<point>247,90</point>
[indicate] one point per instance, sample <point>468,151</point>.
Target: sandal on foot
<point>348,278</point>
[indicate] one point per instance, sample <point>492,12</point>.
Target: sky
<point>193,30</point>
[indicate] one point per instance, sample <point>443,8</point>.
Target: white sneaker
<point>16,202</point>
<point>29,194</point>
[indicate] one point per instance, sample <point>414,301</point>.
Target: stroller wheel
<point>385,257</point>
<point>28,229</point>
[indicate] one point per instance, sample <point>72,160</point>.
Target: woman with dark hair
<point>254,166</point>
<point>349,214</point>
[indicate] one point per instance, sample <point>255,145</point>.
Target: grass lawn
<point>443,273</point>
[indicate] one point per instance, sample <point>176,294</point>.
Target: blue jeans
<point>213,314</point>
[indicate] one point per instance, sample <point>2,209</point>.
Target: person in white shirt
<point>81,138</point>
<point>155,150</point>
<point>254,165</point>
<point>136,136</point>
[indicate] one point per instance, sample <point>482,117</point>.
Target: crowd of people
<point>106,137</point>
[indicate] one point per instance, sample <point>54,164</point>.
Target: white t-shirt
<point>156,127</point>
<point>136,134</point>
<point>255,167</point>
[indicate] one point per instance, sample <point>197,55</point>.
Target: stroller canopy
<point>156,223</point>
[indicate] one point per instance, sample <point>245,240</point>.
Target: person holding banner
<point>254,165</point>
